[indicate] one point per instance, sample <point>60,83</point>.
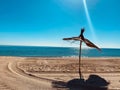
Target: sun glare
<point>89,21</point>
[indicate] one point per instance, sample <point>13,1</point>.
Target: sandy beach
<point>23,73</point>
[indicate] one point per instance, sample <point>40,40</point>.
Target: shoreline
<point>67,57</point>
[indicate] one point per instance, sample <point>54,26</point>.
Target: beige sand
<point>20,73</point>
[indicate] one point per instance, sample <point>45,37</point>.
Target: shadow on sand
<point>94,82</point>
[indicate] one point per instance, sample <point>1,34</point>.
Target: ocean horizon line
<point>59,46</point>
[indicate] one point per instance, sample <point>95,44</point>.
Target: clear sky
<point>46,22</point>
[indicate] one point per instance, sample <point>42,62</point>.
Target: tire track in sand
<point>29,79</point>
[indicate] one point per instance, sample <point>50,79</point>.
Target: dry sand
<point>23,73</point>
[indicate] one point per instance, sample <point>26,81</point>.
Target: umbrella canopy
<point>81,38</point>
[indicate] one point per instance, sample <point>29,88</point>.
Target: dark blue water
<point>29,51</point>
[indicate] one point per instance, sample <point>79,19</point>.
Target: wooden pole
<point>80,74</point>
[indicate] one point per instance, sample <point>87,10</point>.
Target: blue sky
<point>46,22</point>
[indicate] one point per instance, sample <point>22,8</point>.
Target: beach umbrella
<point>81,39</point>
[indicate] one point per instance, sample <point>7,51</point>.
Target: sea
<point>45,51</point>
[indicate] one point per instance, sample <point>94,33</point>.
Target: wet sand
<point>23,73</point>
